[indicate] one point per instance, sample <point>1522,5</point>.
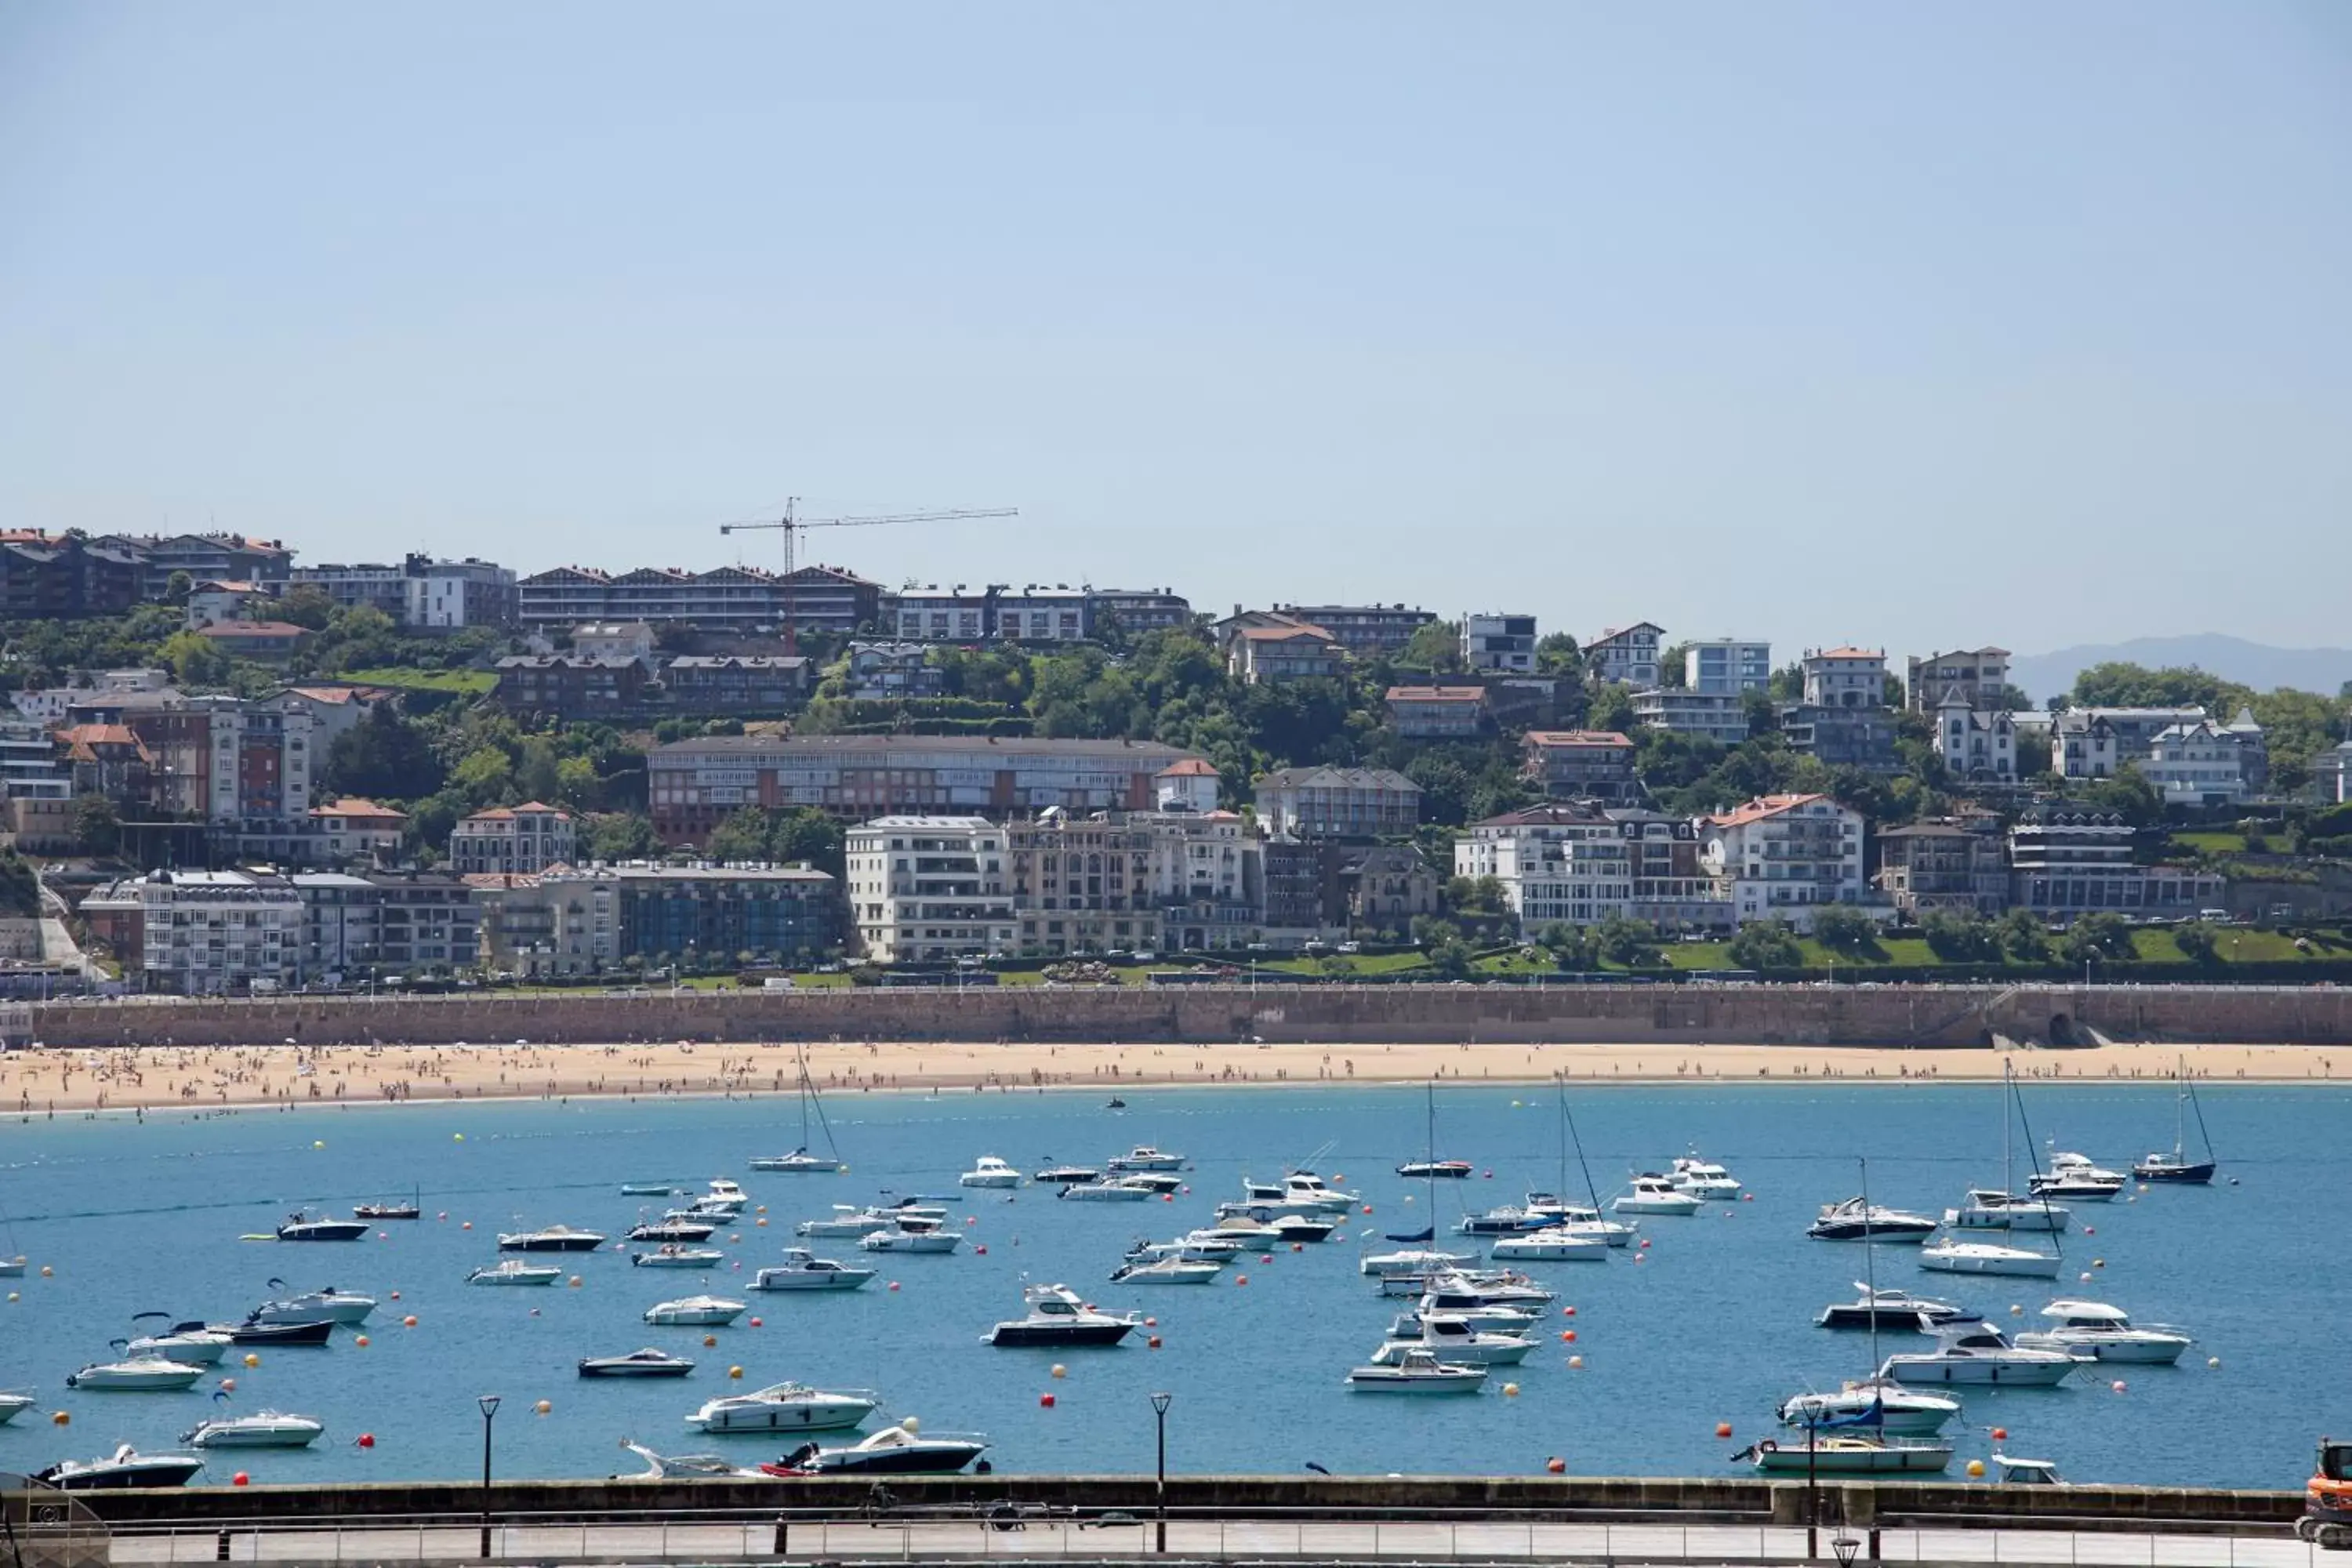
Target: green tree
<point>1958,936</point>
<point>1766,944</point>
<point>194,659</point>
<point>97,825</point>
<point>1450,959</point>
<point>485,776</point>
<point>1557,654</point>
<point>2022,938</point>
<point>741,836</point>
<point>384,756</point>
<point>177,587</point>
<point>1629,943</point>
<point>2102,933</point>
<point>2198,942</point>
<point>1841,929</point>
<point>1673,668</point>
<point>1435,647</point>
<point>305,605</point>
<point>622,836</point>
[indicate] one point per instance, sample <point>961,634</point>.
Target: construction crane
<point>792,522</point>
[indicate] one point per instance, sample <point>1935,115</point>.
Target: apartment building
<point>2063,864</point>
<point>1187,785</point>
<point>1727,667</point>
<point>1207,879</point>
<point>420,592</point>
<point>1628,655</point>
<point>1437,712</point>
<point>886,671</point>
<point>1784,856</point>
<point>265,642</point>
<point>377,924</point>
<point>220,557</point>
<point>701,684</point>
<point>1381,886</point>
<point>1978,745</point>
<point>513,840</point>
<point>1843,737</point>
<point>1337,803</point>
<point>1718,716</point>
<point>1365,631</point>
<point>693,784</point>
<point>572,920</point>
<point>930,890</point>
<point>1565,862</point>
<point>2202,764</point>
<point>1499,644</point>
<point>568,686</point>
<point>1671,890</point>
<point>1845,677</point>
<point>350,829</point>
<point>997,613</point>
<point>1083,884</point>
<point>1944,864</point>
<point>1136,611</point>
<point>742,599</point>
<point>1272,655</point>
<point>200,933</point>
<point>1979,676</point>
<point>2096,743</point>
<point>1582,765</point>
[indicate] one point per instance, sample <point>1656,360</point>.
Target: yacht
<point>148,1374</point>
<point>2074,1176</point>
<point>262,1429</point>
<point>671,1255</point>
<point>1703,1178</point>
<point>988,1171</point>
<point>670,1229</point>
<point>1144,1157</point>
<point>1951,1257</point>
<point>1653,1193</point>
<point>1068,1175</point>
<point>696,1312</point>
<point>188,1346</point>
<point>1854,1220</point>
<point>798,1163</point>
<point>1416,1261</point>
<point>912,1237</point>
<point>411,1207</point>
<point>785,1408</point>
<point>1553,1244</point>
<point>898,1450</point>
<point>1877,1403</point>
<point>126,1466</point>
<point>2094,1331</point>
<point>1108,1190</point>
<point>515,1271</point>
<point>803,1271</point>
<point>1436,1170</point>
<point>299,1226</point>
<point>646,1362</point>
<point>1979,1353</point>
<point>1454,1338</point>
<point>1582,1218</point>
<point>1299,1191</point>
<point>10,1404</point>
<point>846,1220</point>
<point>1056,1316</point>
<point>1984,1209</point>
<point>1893,1310</point>
<point>1490,1288</point>
<point>1509,1219</point>
<point>1167,1271</point>
<point>330,1305</point>
<point>1245,1231</point>
<point>1199,1247</point>
<point>1417,1371</point>
<point>1837,1454</point>
<point>554,1239</point>
<point>679,1467</point>
<point>723,1199</point>
<point>252,1333</point>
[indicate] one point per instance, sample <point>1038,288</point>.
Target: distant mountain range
<point>2266,669</point>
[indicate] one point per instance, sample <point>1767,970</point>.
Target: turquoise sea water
<point>1714,1325</point>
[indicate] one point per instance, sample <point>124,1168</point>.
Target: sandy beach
<point>38,1082</point>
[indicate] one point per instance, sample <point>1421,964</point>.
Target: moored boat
<point>125,1467</point>
<point>671,1255</point>
<point>803,1271</point>
<point>515,1271</point>
<point>785,1408</point>
<point>1417,1371</point>
<point>1856,1220</point>
<point>646,1362</point>
<point>1058,1318</point>
<point>902,1449</point>
<point>696,1312</point>
<point>148,1374</point>
<point>262,1429</point>
<point>301,1227</point>
<point>1951,1257</point>
<point>552,1238</point>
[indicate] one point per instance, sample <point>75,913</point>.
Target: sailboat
<point>1418,1257</point>
<point>1950,1256</point>
<point>800,1161</point>
<point>1430,1167</point>
<point>12,1262</point>
<point>2177,1167</point>
<point>2002,1208</point>
<point>1568,1231</point>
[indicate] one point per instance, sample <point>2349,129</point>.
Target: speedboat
<point>2093,1330</point>
<point>1185,1249</point>
<point>988,1171</point>
<point>696,1312</point>
<point>253,1333</point>
<point>1854,1220</point>
<point>554,1239</point>
<point>1553,1244</point>
<point>670,1254</point>
<point>1144,1157</point>
<point>1979,1353</point>
<point>1107,1189</point>
<point>673,1466</point>
<point>299,1226</point>
<point>912,1237</point>
<point>798,1163</point>
<point>126,1466</point>
<point>1436,1170</point>
<point>667,1229</point>
<point>1490,1288</point>
<point>1509,1219</point>
<point>1951,1257</point>
<point>1703,1178</point>
<point>1653,1193</point>
<point>1840,1455</point>
<point>148,1374</point>
<point>1248,1231</point>
<point>330,1305</point>
<point>646,1362</point>
<point>803,1271</point>
<point>785,1408</point>
<point>190,1347</point>
<point>1417,1371</point>
<point>898,1450</point>
<point>13,1267</point>
<point>2075,1176</point>
<point>10,1404</point>
<point>1068,1175</point>
<point>1985,1209</point>
<point>1299,1191</point>
<point>1416,1261</point>
<point>1893,1310</point>
<point>1878,1402</point>
<point>1454,1338</point>
<point>1206,1243</point>
<point>1056,1318</point>
<point>1167,1271</point>
<point>390,1209</point>
<point>652,1190</point>
<point>723,1196</point>
<point>515,1271</point>
<point>262,1429</point>
<point>846,1220</point>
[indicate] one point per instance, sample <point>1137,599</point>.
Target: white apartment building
<point>1845,677</point>
<point>201,933</point>
<point>931,889</point>
<point>1563,863</point>
<point>513,840</point>
<point>1626,654</point>
<point>1784,855</point>
<point>1728,666</point>
<point>614,642</point>
<point>1499,644</point>
<point>2199,764</point>
<point>1718,715</point>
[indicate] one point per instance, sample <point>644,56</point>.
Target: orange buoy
<point>1568,1334</point>
<point>544,1405</point>
<point>1556,1464</point>
<point>62,1418</point>
<point>709,1341</point>
<point>2000,1434</point>
<point>1153,1344</point>
<point>409,1322</point>
<point>1723,1428</point>
<point>361,1342</point>
<point>1510,1391</point>
<point>762,1222</point>
<point>1241,1278</point>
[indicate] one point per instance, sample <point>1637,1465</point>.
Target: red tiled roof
<point>1190,768</point>
<point>1851,653</point>
<point>1438,694</point>
<point>1549,738</point>
<point>1762,806</point>
<point>1278,633</point>
<point>355,806</point>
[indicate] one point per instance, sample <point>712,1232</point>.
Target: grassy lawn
<point>2211,843</point>
<point>462,682</point>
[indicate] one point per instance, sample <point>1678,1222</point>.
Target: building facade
<point>1565,863</point>
<point>699,684</point>
<point>1845,677</point>
<point>2064,864</point>
<point>1337,803</point>
<point>1979,676</point>
<point>1728,667</point>
<point>998,613</point>
<point>1582,765</point>
<point>1082,884</point>
<point>2201,765</point>
<point>200,933</point>
<point>1437,712</point>
<point>1843,737</point>
<point>1944,865</point>
<point>1784,856</point>
<point>1978,745</point>
<point>1269,655</point>
<point>1499,644</point>
<point>1365,631</point>
<point>1718,716</point>
<point>513,840</point>
<point>1136,611</point>
<point>567,686</point>
<point>1627,654</point>
<point>742,599</point>
<point>932,889</point>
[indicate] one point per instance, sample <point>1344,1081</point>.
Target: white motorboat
<point>1207,1243</point>
<point>1452,1337</point>
<point>673,1255</point>
<point>553,1238</point>
<point>1553,1244</point>
<point>1653,1193</point>
<point>803,1271</point>
<point>1144,1157</point>
<point>2075,1176</point>
<point>1703,1178</point>
<point>2021,1472</point>
<point>1505,1219</point>
<point>1058,1318</point>
<point>10,1404</point>
<point>1855,1220</point>
<point>1979,1353</point>
<point>1951,1257</point>
<point>515,1271</point>
<point>798,1163</point>
<point>1490,1288</point>
<point>1986,1209</point>
<point>1108,1190</point>
<point>1828,1453</point>
<point>1417,1371</point>
<point>190,1347</point>
<point>785,1408</point>
<point>329,1305</point>
<point>651,1190</point>
<point>681,1226</point>
<point>262,1429</point>
<point>696,1312</point>
<point>1220,1252</point>
<point>1299,1191</point>
<point>1878,1402</point>
<point>847,1221</point>
<point>723,1199</point>
<point>1167,1271</point>
<point>125,1467</point>
<point>1583,1219</point>
<point>677,1467</point>
<point>1414,1260</point>
<point>988,1171</point>
<point>2095,1331</point>
<point>148,1374</point>
<point>299,1226</point>
<point>13,1267</point>
<point>646,1362</point>
<point>902,1449</point>
<point>1066,1175</point>
<point>1898,1311</point>
<point>911,1238</point>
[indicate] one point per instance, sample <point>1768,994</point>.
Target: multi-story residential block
<point>1784,856</point>
<point>1720,716</point>
<point>1560,863</point>
<point>1978,745</point>
<point>1437,712</point>
<point>263,759</point>
<point>1498,644</point>
<point>2063,864</point>
<point>1845,677</point>
<point>1189,784</point>
<point>31,765</point>
<point>263,641</point>
<point>581,920</point>
<point>1139,610</point>
<point>694,784</point>
<point>1271,654</point>
<point>743,598</point>
<point>383,924</point>
<point>211,602</point>
<point>1728,667</point>
<point>1295,903</point>
<point>224,760</point>
<point>1979,676</point>
<point>1381,886</point>
<point>68,579</point>
<point>1944,865</point>
<point>696,684</point>
<point>1671,890</point>
<point>1628,655</point>
<point>1207,879</point>
<point>2331,775</point>
<point>200,933</point>
<point>882,671</point>
<point>2199,764</point>
<point>335,711</point>
<point>1843,737</point>
<point>1366,631</point>
<point>931,889</point>
<point>1083,884</point>
<point>2094,742</point>
<point>222,557</point>
<point>616,642</point>
<point>998,613</point>
<point>354,829</point>
<point>1582,765</point>
<point>53,704</point>
<point>1337,803</point>
<point>513,840</point>
<point>571,686</point>
<point>421,593</point>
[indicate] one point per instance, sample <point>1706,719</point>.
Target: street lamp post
<point>489,1404</point>
<point>1160,1403</point>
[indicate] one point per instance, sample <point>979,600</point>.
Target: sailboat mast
<point>2179,1112</point>
<point>1869,1263</point>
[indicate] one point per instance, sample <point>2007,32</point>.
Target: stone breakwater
<point>1888,1016</point>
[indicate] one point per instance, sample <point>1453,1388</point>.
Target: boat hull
<point>324,1230</point>
<point>795,1418</point>
<point>316,1332</point>
<point>1986,1373</point>
<point>942,1458</point>
<point>2198,1174</point>
<point>1860,1460</point>
<point>798,1280</point>
<point>1056,1336</point>
<point>2014,1263</point>
<point>1364,1381</point>
<point>226,1436</point>
<point>622,1368</point>
<point>552,1243</point>
<point>97,1380</point>
<point>158,1471</point>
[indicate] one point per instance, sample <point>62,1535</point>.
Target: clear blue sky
<point>1916,325</point>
